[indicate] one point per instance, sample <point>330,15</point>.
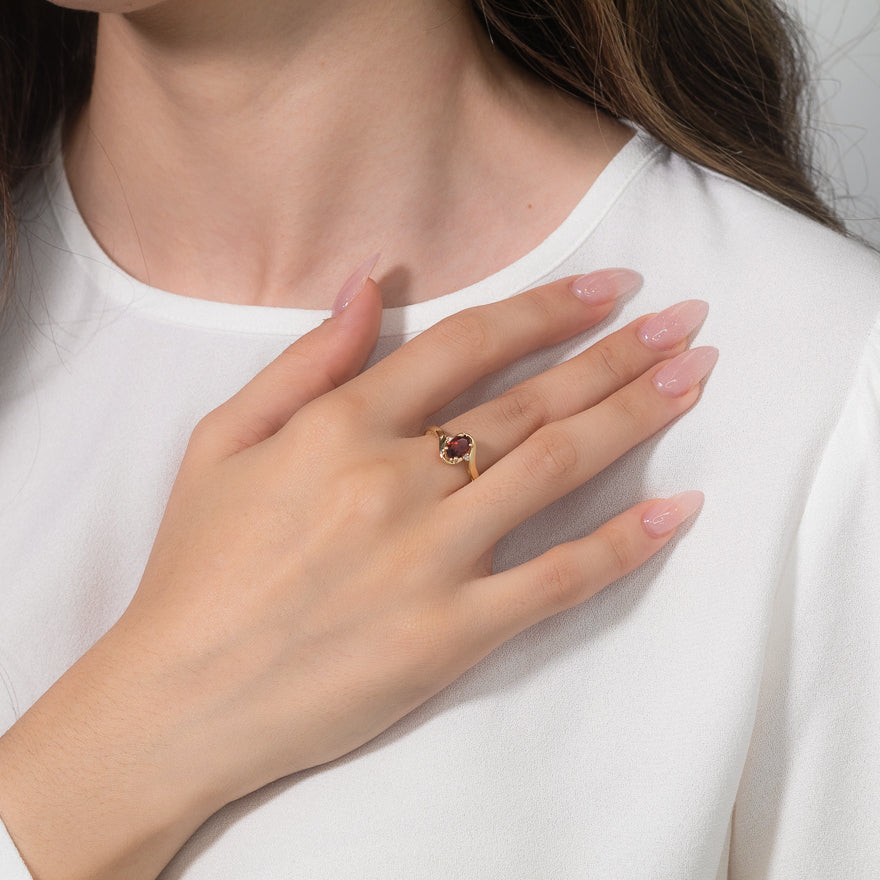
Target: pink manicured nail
<point>684,371</point>
<point>666,515</point>
<point>605,285</point>
<point>355,283</point>
<point>670,326</point>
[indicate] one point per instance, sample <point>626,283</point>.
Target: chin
<point>106,5</point>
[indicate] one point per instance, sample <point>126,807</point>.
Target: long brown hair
<point>721,82</point>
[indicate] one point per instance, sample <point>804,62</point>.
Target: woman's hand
<point>319,572</point>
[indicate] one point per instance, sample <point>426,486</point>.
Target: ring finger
<point>502,424</point>
<point>565,454</point>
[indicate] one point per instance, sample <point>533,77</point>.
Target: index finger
<point>431,370</point>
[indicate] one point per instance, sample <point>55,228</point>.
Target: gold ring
<point>457,448</point>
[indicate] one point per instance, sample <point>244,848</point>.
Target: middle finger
<point>579,383</point>
<point>430,371</point>
<point>566,454</point>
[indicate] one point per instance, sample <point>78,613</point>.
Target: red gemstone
<point>458,446</point>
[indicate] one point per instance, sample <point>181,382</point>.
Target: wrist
<point>95,780</point>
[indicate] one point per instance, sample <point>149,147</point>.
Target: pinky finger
<point>504,604</point>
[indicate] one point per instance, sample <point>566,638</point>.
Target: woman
<point>318,574</point>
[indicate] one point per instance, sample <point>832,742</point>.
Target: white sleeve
<point>808,804</point>
<point>11,865</point>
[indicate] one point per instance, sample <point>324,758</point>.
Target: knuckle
<point>316,418</point>
<point>206,428</point>
<point>524,407</point>
<point>613,362</point>
<point>620,548</point>
<point>551,453</point>
<point>294,358</point>
<point>298,366</point>
<point>333,418</point>
<point>631,410</point>
<point>559,578</point>
<point>467,332</point>
<point>350,409</point>
<point>545,311</point>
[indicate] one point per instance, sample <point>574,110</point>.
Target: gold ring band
<point>457,448</point>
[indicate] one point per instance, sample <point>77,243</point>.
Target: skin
<point>272,630</point>
<point>194,170</point>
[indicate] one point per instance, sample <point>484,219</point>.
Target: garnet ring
<point>457,448</point>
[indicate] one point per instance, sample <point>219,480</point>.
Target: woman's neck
<point>255,153</point>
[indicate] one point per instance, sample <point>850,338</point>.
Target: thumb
<point>320,361</point>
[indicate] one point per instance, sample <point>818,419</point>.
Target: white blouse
<point>714,714</point>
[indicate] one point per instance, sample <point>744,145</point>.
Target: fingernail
<point>605,285</point>
<point>683,372</point>
<point>355,283</point>
<point>670,326</point>
<point>666,515</point>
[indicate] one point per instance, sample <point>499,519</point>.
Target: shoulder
<point>723,223</point>
<point>763,267</point>
<point>791,303</point>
